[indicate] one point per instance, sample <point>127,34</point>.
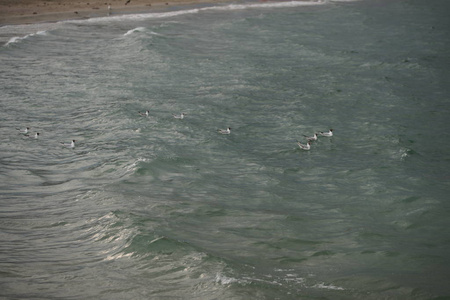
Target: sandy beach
<point>38,11</point>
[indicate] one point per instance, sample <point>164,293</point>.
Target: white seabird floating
<point>24,130</point>
<point>69,145</point>
<point>181,116</point>
<point>329,133</point>
<point>311,138</point>
<point>35,136</point>
<point>306,146</point>
<point>225,131</point>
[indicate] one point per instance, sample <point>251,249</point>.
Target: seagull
<point>329,133</point>
<point>69,145</point>
<point>311,138</point>
<point>303,146</point>
<point>225,131</point>
<point>181,116</point>
<point>34,136</point>
<point>144,114</point>
<point>24,130</point>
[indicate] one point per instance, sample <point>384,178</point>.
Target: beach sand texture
<point>37,11</point>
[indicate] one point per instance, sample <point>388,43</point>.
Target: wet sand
<point>39,11</point>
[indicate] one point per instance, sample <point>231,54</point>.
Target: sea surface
<point>163,208</point>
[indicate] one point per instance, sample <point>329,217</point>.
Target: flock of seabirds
<point>181,116</point>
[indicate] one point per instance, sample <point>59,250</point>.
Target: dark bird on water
<point>127,2</point>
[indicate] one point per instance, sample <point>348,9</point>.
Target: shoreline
<point>23,12</point>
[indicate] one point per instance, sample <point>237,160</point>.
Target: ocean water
<point>163,208</point>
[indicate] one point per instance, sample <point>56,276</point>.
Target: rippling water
<point>163,208</point>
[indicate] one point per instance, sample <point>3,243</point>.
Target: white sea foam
<point>14,40</point>
<point>230,7</point>
<point>265,5</point>
<point>328,287</point>
<point>21,29</point>
<point>134,17</point>
<point>137,29</point>
<point>222,279</point>
<point>132,167</point>
<point>17,39</point>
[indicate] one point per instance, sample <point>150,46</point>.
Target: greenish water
<point>163,208</point>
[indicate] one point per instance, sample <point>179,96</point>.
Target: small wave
<point>137,29</point>
<point>118,256</point>
<point>17,39</point>
<point>14,40</point>
<point>133,167</point>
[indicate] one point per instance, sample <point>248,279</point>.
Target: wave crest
<point>17,39</point>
